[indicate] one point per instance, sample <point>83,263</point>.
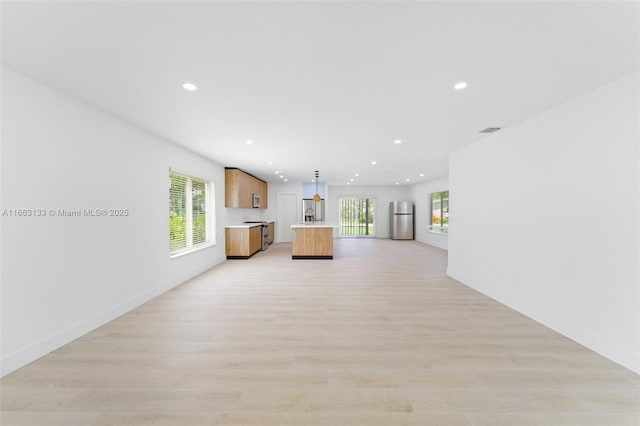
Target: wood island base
<point>312,257</point>
<point>312,242</point>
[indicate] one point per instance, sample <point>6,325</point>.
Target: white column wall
<point>545,218</point>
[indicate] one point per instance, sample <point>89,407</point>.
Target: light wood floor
<point>378,336</point>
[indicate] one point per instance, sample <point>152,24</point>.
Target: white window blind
<point>178,213</point>
<point>199,211</point>
<point>189,216</point>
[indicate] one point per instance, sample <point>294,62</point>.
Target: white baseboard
<point>598,344</point>
<point>439,244</point>
<point>30,353</point>
<point>24,356</point>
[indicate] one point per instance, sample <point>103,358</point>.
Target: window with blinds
<point>189,215</point>
<point>440,211</point>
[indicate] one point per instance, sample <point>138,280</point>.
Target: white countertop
<point>244,225</point>
<point>313,225</point>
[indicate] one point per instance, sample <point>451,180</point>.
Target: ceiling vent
<point>490,130</point>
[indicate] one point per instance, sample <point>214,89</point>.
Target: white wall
<point>421,196</point>
<point>544,218</point>
<point>383,195</point>
<point>64,276</point>
<point>271,214</point>
<point>236,216</point>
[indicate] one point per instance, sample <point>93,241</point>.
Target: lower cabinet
<point>243,242</point>
<point>255,239</point>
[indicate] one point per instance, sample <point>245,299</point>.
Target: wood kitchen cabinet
<point>255,239</point>
<point>240,187</point>
<point>242,242</point>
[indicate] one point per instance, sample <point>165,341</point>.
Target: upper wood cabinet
<point>240,187</point>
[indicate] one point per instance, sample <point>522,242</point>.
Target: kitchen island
<point>312,241</point>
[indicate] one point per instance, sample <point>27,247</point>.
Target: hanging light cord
<point>316,197</point>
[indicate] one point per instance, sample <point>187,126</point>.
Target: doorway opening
<point>287,215</point>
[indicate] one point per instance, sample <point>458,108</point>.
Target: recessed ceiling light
<point>248,142</point>
<point>461,85</point>
<point>408,180</point>
<point>357,174</point>
<point>313,181</point>
<point>397,141</point>
<point>277,172</point>
<point>348,183</point>
<point>397,183</point>
<point>270,163</point>
<point>421,174</point>
<point>374,163</point>
<point>286,180</point>
<point>351,179</point>
<point>190,87</point>
<point>281,177</point>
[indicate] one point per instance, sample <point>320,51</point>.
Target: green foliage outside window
<point>440,211</point>
<point>187,212</point>
<point>356,216</point>
<point>199,229</point>
<point>177,231</point>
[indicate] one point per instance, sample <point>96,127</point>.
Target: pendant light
<point>316,196</point>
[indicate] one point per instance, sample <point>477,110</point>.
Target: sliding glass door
<point>357,217</point>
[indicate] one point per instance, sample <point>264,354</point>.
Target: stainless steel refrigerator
<point>312,211</point>
<point>401,214</point>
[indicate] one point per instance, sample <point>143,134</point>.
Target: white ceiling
<point>323,86</point>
